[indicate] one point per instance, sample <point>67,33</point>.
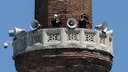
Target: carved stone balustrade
<point>62,38</point>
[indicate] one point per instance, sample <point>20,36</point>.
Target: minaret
<point>63,49</point>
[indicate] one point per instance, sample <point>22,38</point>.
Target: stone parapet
<point>62,38</point>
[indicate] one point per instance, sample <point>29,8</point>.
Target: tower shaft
<point>45,9</point>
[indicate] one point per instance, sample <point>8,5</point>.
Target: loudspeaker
<point>34,25</point>
<point>15,31</point>
<point>5,45</point>
<point>11,33</point>
<point>102,26</point>
<point>72,22</point>
<point>110,32</point>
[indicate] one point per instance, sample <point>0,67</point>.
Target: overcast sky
<point>20,13</point>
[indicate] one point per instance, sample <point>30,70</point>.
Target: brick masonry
<point>45,9</point>
<point>63,60</point>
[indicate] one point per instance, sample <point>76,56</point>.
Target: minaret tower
<point>63,49</point>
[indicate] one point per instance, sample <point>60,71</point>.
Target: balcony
<point>52,38</point>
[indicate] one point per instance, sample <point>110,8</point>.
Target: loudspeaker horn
<point>18,30</point>
<point>72,22</point>
<point>15,31</point>
<point>110,32</point>
<point>34,25</point>
<point>102,26</point>
<point>11,33</point>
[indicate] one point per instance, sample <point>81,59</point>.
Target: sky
<point>19,13</point>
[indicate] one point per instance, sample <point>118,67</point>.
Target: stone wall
<point>45,9</point>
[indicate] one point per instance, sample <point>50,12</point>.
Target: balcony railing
<point>63,38</point>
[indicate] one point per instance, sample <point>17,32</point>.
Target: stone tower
<point>62,49</point>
